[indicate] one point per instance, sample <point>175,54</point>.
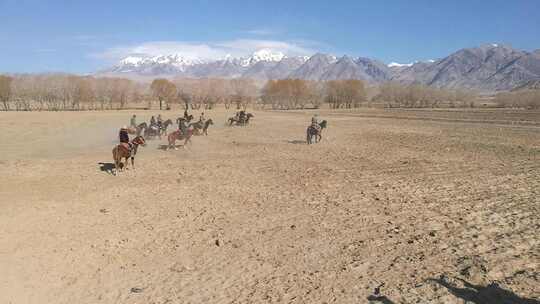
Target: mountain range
<point>488,68</point>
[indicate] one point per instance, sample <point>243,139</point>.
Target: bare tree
<point>5,91</point>
<point>164,90</point>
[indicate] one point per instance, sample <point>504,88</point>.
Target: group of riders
<point>156,124</point>
<point>183,124</point>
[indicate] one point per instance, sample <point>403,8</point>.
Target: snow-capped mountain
<point>263,55</point>
<point>399,65</point>
<point>172,63</point>
<point>489,67</point>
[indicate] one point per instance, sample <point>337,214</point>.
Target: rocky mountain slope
<point>490,67</point>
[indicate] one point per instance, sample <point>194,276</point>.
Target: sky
<point>85,36</point>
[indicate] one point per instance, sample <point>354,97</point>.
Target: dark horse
<point>201,128</point>
<point>164,126</point>
<point>314,132</point>
<point>122,151</point>
<point>241,121</point>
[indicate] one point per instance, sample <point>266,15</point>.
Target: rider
<point>124,138</point>
<point>133,121</point>
<point>159,122</point>
<point>181,121</point>
<point>242,116</point>
<point>152,121</point>
<point>315,122</point>
<point>202,119</point>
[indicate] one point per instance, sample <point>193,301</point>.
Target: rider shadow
<point>297,142</point>
<point>106,167</point>
<point>492,293</point>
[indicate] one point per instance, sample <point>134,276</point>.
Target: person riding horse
<point>159,122</point>
<point>202,119</point>
<point>124,138</point>
<point>183,123</point>
<point>240,116</point>
<point>133,121</point>
<point>315,122</point>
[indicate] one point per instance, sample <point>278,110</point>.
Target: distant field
<point>255,215</point>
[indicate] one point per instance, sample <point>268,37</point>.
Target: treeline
<point>297,94</point>
<point>67,92</point>
<point>57,92</point>
<point>421,96</point>
<point>529,99</point>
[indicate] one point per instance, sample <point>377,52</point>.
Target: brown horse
<point>178,135</point>
<point>122,151</point>
<point>200,128</point>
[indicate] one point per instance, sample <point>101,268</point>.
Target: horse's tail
<point>308,135</point>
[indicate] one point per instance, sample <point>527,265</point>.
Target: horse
<point>187,118</point>
<point>138,129</point>
<point>152,131</point>
<point>164,126</point>
<point>178,135</point>
<point>202,128</point>
<point>241,121</point>
<point>314,132</point>
<point>122,151</point>
<point>207,124</point>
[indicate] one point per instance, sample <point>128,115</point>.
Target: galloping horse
<point>122,151</point>
<point>201,128</point>
<point>314,132</point>
<point>240,121</point>
<point>178,135</point>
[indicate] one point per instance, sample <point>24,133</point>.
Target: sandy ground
<point>439,211</point>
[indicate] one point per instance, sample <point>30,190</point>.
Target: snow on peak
<point>267,55</point>
<point>263,55</point>
<point>494,45</point>
<point>131,60</point>
<point>399,65</point>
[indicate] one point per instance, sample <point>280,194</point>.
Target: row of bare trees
<point>421,96</point>
<point>206,93</point>
<point>67,92</point>
<point>59,92</point>
<point>529,99</point>
<point>297,94</point>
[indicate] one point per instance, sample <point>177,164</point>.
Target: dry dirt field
<point>435,206</point>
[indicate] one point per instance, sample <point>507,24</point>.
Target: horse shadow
<point>297,142</point>
<point>106,167</point>
<point>166,147</point>
<point>381,299</point>
<point>492,293</point>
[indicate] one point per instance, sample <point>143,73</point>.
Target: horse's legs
<point>133,162</point>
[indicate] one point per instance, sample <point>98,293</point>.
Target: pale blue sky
<point>83,36</point>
